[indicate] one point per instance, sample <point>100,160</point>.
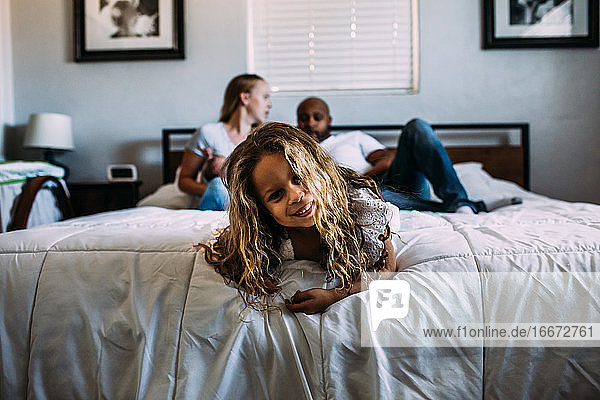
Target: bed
<point>122,305</point>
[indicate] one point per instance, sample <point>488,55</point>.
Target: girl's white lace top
<point>372,217</point>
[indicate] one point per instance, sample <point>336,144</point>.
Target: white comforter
<point>122,305</point>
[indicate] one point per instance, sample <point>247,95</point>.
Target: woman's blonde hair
<point>231,100</point>
<point>247,251</point>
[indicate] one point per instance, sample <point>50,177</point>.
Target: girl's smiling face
<point>281,192</point>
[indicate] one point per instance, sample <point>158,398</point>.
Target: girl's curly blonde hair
<point>247,251</point>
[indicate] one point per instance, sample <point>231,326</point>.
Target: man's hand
<point>313,301</point>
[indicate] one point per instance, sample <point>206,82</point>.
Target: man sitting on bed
<point>403,178</point>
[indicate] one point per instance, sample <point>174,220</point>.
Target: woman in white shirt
<point>246,103</point>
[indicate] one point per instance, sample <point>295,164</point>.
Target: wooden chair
<point>24,202</point>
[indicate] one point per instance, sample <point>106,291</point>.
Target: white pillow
<point>474,178</point>
<point>482,186</point>
<point>470,174</point>
<point>169,196</point>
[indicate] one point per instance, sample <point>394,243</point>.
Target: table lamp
<point>51,132</point>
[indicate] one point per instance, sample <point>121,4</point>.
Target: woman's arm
<point>190,165</point>
<point>316,300</point>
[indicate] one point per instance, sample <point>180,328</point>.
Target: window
<point>316,45</point>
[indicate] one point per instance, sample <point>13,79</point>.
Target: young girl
<point>289,200</point>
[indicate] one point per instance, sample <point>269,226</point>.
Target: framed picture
<point>539,23</point>
<point>111,30</point>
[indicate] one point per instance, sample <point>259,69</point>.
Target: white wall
<point>119,108</point>
<point>6,77</point>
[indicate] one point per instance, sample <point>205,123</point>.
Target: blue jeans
<point>421,157</point>
<point>215,196</point>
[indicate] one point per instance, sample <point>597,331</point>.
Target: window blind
<point>315,45</point>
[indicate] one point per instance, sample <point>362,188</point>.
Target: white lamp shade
<point>49,131</point>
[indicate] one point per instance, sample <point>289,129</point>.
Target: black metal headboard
<point>172,150</point>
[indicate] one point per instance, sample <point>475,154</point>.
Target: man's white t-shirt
<point>213,135</point>
<point>351,149</point>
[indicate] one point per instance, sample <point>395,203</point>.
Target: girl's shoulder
<point>372,216</point>
<point>286,249</point>
<point>364,201</point>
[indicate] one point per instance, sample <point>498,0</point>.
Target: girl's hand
<point>313,301</point>
<point>272,285</point>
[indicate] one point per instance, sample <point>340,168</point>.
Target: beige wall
<point>119,108</point>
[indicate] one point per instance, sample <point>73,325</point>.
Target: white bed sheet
<point>121,304</point>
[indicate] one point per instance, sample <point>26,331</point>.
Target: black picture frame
<point>492,39</point>
<point>137,48</point>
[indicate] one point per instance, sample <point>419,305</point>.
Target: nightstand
<point>95,197</point>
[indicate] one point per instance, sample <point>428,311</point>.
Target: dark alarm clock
<point>121,173</point>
